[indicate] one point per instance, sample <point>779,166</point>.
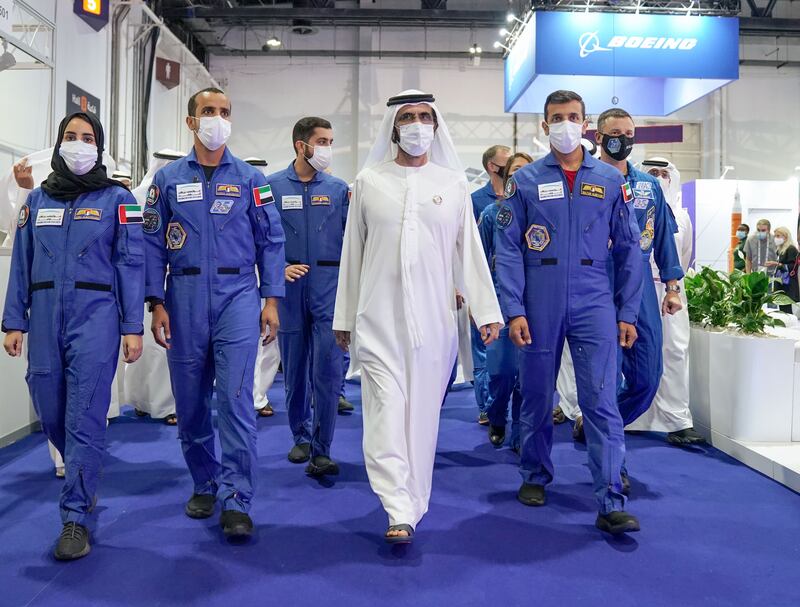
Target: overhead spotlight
<point>512,17</point>
<point>273,42</point>
<point>498,44</point>
<point>504,32</point>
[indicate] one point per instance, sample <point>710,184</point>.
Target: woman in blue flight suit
<point>76,285</point>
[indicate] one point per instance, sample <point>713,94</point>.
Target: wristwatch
<point>676,288</point>
<point>153,302</point>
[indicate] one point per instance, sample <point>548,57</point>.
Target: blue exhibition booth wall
<point>651,65</point>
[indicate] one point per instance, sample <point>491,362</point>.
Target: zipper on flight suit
<point>64,268</point>
<point>569,231</point>
<point>307,216</point>
<point>208,234</point>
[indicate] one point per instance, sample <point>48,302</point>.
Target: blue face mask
<point>741,234</point>
<point>762,235</point>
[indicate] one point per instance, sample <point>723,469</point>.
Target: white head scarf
<point>673,193</point>
<point>160,159</point>
<point>442,152</point>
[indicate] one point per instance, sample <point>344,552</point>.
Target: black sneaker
<point>689,436</point>
<point>200,506</point>
<point>483,419</point>
<point>578,434</point>
<point>321,465</point>
<point>497,435</point>
<point>532,495</point>
<point>617,523</point>
<point>626,483</point>
<point>236,525</point>
<point>300,454</point>
<point>345,406</point>
<point>73,543</point>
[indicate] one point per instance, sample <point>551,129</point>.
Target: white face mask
<point>416,138</point>
<point>323,154</point>
<point>79,156</point>
<point>213,132</point>
<point>566,136</point>
<point>779,241</point>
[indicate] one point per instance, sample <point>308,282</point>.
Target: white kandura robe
<point>267,362</point>
<point>409,231</point>
<point>670,409</point>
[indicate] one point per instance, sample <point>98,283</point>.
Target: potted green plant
<point>742,379</point>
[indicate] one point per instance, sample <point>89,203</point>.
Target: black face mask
<point>619,147</point>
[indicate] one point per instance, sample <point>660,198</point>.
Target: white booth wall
<point>31,116</point>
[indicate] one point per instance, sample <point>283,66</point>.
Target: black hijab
<point>63,184</point>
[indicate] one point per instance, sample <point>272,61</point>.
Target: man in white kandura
<point>670,409</point>
<point>410,241</point>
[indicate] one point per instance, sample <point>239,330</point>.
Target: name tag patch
<point>551,191</point>
<point>326,200</point>
<point>594,191</point>
<point>643,185</point>
<point>290,203</point>
<point>187,192</point>
<point>221,207</point>
<point>93,214</point>
<point>226,189</point>
<point>176,236</point>
<point>49,217</point>
<point>538,237</point>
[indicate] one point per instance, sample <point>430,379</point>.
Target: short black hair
<point>305,128</point>
<point>614,112</point>
<point>559,97</point>
<point>193,99</point>
<point>491,153</point>
<point>745,226</point>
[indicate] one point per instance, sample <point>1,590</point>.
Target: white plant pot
<point>742,385</point>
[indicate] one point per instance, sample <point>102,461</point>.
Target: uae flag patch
<point>627,193</point>
<point>263,195</point>
<point>130,213</point>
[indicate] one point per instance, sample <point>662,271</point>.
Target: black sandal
<point>400,539</point>
<point>171,420</point>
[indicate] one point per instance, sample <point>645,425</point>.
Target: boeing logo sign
<point>589,42</point>
<point>650,64</point>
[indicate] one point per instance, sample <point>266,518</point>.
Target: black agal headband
<point>410,99</point>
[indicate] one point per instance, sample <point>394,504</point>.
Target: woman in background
<point>786,266</point>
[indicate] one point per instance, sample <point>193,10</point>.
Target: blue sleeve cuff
<point>131,328</point>
<point>153,291</point>
<point>671,273</point>
<point>513,310</point>
<point>15,325</point>
<point>271,291</point>
<point>628,317</point>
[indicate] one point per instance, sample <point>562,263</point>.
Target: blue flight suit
<point>642,365</point>
<point>313,216</point>
<point>76,285</point>
<point>501,355</point>
<point>481,198</point>
<point>552,250</point>
<point>212,234</point>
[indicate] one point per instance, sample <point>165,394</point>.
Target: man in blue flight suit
<point>501,355</point>
<point>642,364</point>
<point>313,207</point>
<point>494,161</point>
<point>553,235</point>
<point>211,217</point>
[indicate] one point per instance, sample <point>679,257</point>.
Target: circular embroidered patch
<point>152,195</point>
<point>24,214</point>
<point>152,221</point>
<point>511,187</point>
<point>504,217</point>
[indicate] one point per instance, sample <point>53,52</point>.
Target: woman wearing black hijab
<point>76,285</point>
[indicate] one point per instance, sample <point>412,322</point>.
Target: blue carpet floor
<point>714,532</point>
